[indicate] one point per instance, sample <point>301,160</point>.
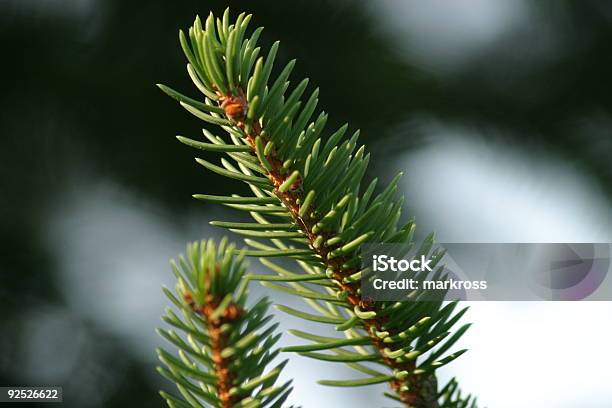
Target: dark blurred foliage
<point>78,101</point>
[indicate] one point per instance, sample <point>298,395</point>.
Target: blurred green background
<point>95,191</point>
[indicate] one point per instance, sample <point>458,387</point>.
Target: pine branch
<point>309,205</point>
<point>222,362</point>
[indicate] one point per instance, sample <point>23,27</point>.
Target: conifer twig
<point>315,188</point>
<point>222,362</point>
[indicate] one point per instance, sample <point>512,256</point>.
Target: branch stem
<point>218,342</point>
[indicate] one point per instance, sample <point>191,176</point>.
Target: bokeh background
<point>498,112</point>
